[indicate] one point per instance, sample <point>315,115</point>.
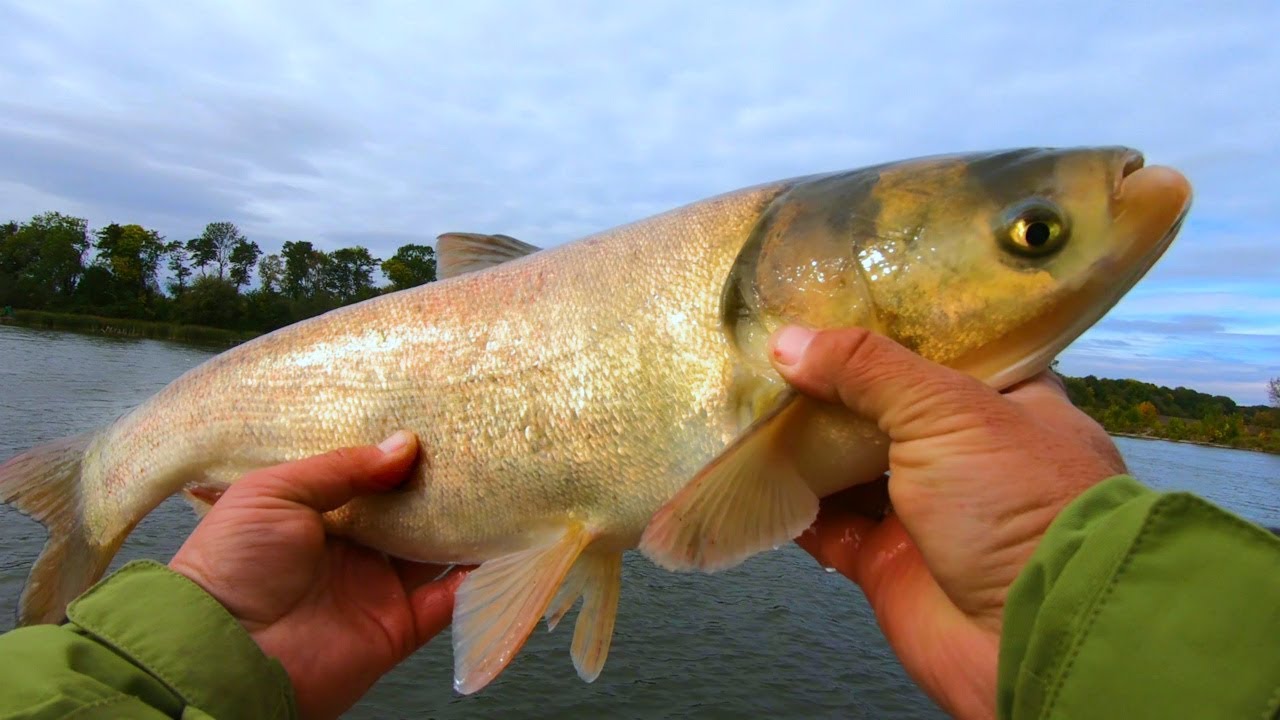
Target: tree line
<point>54,262</point>
<point>1139,408</point>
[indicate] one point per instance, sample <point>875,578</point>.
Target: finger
<point>919,620</point>
<point>1045,383</point>
<point>432,603</point>
<point>875,377</point>
<point>326,482</point>
<point>835,539</point>
<point>415,574</point>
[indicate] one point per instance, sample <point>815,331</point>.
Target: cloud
<point>1177,325</point>
<point>394,122</point>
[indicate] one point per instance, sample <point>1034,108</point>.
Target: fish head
<point>990,263</point>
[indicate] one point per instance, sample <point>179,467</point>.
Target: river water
<point>776,636</point>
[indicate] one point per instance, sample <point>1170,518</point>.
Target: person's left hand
<point>337,615</point>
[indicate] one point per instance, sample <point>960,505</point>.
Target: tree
<point>178,259</point>
<point>1148,413</point>
<point>271,273</point>
<point>412,265</point>
<point>17,255</point>
<point>62,242</point>
<point>1273,391</point>
<point>301,265</point>
<point>210,301</point>
<point>349,274</point>
<point>214,246</point>
<point>42,260</point>
<point>98,289</point>
<point>242,259</point>
<point>132,253</point>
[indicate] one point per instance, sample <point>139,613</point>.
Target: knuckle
<point>343,460</point>
<point>848,353</point>
<point>866,359</point>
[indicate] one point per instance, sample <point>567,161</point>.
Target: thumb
<point>876,377</point>
<point>329,481</point>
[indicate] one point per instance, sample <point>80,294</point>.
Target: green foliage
<point>1139,408</point>
<point>42,260</point>
<point>303,269</point>
<point>131,328</point>
<point>179,257</point>
<point>132,254</point>
<point>267,310</point>
<point>348,275</point>
<point>271,273</point>
<point>412,265</point>
<point>50,263</point>
<point>243,257</point>
<point>211,301</point>
<point>214,247</point>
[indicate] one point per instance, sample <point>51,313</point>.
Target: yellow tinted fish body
<point>614,392</point>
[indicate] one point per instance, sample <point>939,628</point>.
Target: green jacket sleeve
<point>1144,604</point>
<point>143,643</point>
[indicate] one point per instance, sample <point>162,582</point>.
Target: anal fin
<point>747,500</point>
<point>597,578</point>
<point>593,633</point>
<point>499,603</point>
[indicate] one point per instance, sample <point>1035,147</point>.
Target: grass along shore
<point>126,327</point>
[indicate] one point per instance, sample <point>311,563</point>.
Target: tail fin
<point>44,483</point>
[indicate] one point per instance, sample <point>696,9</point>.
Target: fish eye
<point>1034,229</point>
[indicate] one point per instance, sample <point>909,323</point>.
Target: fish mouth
<point>1148,206</point>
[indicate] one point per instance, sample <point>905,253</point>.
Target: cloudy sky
<point>384,123</point>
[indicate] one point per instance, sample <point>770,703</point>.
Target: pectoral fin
<point>458,253</point>
<point>747,500</point>
<point>202,496</point>
<point>498,604</point>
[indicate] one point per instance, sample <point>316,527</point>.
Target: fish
<point>615,393</point>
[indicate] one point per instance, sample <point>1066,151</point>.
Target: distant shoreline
<point>1201,443</point>
<point>126,327</point>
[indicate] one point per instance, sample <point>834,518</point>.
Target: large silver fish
<point>614,392</point>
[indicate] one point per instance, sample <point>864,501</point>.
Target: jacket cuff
<point>169,626</point>
<point>1150,604</point>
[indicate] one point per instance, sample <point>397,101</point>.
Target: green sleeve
<point>1144,604</point>
<point>143,643</point>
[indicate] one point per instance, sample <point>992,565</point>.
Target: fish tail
<point>44,484</point>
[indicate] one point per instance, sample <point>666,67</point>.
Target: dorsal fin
<point>458,252</point>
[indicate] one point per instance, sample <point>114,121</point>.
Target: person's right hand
<point>976,477</point>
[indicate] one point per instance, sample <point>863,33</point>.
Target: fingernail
<point>789,344</point>
<point>394,442</point>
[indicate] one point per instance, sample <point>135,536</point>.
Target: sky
<point>391,122</point>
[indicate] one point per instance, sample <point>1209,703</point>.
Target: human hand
<point>337,615</point>
<point>976,477</point>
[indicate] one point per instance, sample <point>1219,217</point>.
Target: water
<point>776,636</point>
